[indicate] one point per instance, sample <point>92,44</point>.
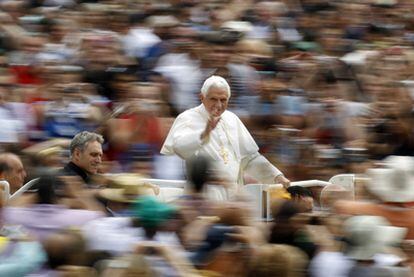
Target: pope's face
<point>216,101</point>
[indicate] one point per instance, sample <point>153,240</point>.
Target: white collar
<point>203,111</point>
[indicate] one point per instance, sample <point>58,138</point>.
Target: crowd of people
<point>323,86</point>
<point>314,81</point>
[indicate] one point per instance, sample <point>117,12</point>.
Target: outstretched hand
<point>280,179</point>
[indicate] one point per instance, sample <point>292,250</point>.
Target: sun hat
<point>238,26</point>
<point>50,151</point>
<point>395,181</point>
<point>159,21</point>
<point>123,179</point>
<point>126,195</point>
<point>370,235</point>
<point>126,188</point>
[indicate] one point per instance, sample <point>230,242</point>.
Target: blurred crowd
<point>324,86</point>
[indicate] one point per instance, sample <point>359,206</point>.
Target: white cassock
<point>230,145</point>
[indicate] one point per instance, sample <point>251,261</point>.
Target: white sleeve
<point>260,168</point>
<point>183,139</point>
<point>113,234</point>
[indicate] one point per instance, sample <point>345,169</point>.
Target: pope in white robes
<point>211,130</point>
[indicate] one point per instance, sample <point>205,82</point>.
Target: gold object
<point>224,154</point>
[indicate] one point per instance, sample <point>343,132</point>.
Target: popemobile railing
<point>5,189</point>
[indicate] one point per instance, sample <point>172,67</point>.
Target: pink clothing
<point>43,220</point>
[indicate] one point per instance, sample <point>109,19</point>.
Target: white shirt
<point>138,40</point>
<point>230,145</point>
<point>327,264</point>
<point>185,76</point>
<point>118,236</point>
<point>11,127</point>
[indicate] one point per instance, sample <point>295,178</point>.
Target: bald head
<point>12,170</point>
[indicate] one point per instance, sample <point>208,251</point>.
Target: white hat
<point>370,235</point>
<point>163,21</point>
<point>238,26</point>
<point>394,182</point>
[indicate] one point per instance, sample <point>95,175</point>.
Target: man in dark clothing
<point>85,156</point>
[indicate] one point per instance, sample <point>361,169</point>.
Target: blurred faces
<point>2,97</point>
<point>90,158</point>
<point>16,174</point>
<point>216,101</point>
<point>305,202</point>
<point>219,56</point>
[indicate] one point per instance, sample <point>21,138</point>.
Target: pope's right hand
<point>211,124</point>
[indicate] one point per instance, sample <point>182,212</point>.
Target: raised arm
<point>184,138</point>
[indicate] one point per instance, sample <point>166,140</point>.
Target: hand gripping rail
<point>260,194</point>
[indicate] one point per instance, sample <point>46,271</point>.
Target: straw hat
<point>127,194</point>
<point>50,151</point>
<point>126,188</point>
<point>123,180</point>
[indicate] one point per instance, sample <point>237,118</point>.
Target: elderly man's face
<point>90,158</point>
<point>16,174</point>
<point>216,101</point>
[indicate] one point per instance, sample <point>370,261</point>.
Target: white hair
<point>82,139</point>
<point>217,82</point>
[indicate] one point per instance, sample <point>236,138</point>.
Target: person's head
<point>198,172</point>
<point>152,215</point>
<point>285,210</point>
<point>367,235</point>
<point>86,151</point>
<point>215,95</point>
<point>46,189</point>
<point>12,170</point>
<point>278,260</point>
<point>65,247</point>
<point>3,94</point>
<point>232,215</point>
<point>393,182</point>
<point>303,196</point>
